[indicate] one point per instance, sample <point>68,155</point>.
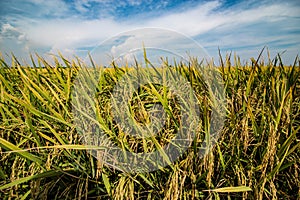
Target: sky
<point>78,27</point>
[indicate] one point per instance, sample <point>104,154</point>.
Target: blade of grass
<point>9,146</point>
<point>230,189</point>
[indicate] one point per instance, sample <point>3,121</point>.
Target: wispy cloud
<point>74,27</point>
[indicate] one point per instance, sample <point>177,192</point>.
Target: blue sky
<point>75,27</point>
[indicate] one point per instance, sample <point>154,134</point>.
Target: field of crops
<point>256,156</point>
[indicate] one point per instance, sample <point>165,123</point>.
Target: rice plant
<point>257,154</point>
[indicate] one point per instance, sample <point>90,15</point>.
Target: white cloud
<point>158,43</point>
<point>56,8</point>
<point>11,32</point>
<point>74,32</point>
<point>207,19</point>
<point>203,18</point>
<point>134,2</point>
<point>191,22</point>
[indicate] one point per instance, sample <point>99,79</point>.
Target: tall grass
<point>257,155</point>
